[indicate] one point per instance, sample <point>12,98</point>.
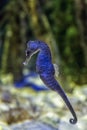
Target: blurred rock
<point>4,126</point>
<point>32,125</point>
<point>45,110</point>
<point>67,126</point>
<point>6,97</point>
<point>81,125</point>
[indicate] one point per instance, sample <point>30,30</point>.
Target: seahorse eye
<point>27,53</point>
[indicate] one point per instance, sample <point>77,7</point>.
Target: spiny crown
<point>33,45</point>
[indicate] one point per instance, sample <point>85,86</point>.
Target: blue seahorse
<point>46,71</point>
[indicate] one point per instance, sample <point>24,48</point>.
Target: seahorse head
<point>32,48</point>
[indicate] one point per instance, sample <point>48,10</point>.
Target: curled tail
<point>53,84</point>
<point>66,100</point>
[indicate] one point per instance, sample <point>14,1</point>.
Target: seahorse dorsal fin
<point>56,70</point>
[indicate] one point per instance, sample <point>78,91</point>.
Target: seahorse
<point>46,71</point>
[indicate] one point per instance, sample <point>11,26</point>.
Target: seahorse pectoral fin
<point>56,68</point>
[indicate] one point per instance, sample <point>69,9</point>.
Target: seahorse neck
<point>44,49</point>
<point>44,59</point>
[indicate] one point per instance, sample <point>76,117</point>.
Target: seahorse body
<point>46,71</point>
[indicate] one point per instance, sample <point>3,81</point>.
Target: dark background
<point>61,24</point>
